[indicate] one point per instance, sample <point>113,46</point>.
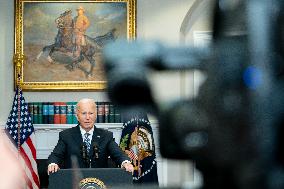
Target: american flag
<point>20,129</point>
<point>132,155</point>
<point>137,136</point>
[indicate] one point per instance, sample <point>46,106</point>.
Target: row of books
<point>65,112</point>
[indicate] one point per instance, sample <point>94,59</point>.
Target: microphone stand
<point>85,155</point>
<point>96,151</point>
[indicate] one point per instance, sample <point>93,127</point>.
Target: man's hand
<point>52,168</point>
<point>128,167</point>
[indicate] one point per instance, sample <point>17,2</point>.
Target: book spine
<point>111,113</point>
<point>56,113</point>
<point>31,110</point>
<point>101,111</point>
<point>117,115</point>
<point>69,113</point>
<point>45,112</point>
<point>35,110</point>
<point>74,110</point>
<point>40,113</point>
<point>63,112</point>
<point>51,113</point>
<point>106,104</point>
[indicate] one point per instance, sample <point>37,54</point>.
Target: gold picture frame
<point>48,54</point>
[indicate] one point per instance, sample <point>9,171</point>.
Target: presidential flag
<point>137,142</point>
<point>20,130</point>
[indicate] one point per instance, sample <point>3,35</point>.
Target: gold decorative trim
<point>19,57</point>
<point>91,183</point>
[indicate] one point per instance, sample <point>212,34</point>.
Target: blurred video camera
<point>233,128</point>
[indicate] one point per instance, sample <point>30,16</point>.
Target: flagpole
<point>19,115</point>
<point>138,152</point>
<point>18,61</point>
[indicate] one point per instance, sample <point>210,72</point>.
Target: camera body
<point>233,128</point>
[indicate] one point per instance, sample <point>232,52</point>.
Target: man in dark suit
<point>91,146</point>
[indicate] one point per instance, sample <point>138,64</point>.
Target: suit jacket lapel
<point>95,139</point>
<point>76,134</point>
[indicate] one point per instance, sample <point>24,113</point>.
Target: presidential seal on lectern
<point>91,183</point>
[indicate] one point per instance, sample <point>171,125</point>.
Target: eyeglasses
<point>87,113</point>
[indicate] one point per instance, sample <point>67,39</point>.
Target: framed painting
<point>58,44</point>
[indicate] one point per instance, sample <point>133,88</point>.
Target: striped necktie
<point>87,141</point>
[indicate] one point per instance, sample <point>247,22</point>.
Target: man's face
<point>80,12</point>
<point>86,115</point>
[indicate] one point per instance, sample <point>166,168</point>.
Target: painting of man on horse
<point>72,45</point>
<point>64,41</point>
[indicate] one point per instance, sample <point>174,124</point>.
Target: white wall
<point>6,56</point>
<point>156,20</point>
<point>161,19</point>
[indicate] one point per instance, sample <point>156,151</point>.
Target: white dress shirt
<point>90,133</point>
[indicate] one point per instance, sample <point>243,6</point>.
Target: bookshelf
<point>66,126</point>
<point>65,112</point>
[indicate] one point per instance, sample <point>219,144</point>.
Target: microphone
<point>96,150</point>
<point>85,154</point>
